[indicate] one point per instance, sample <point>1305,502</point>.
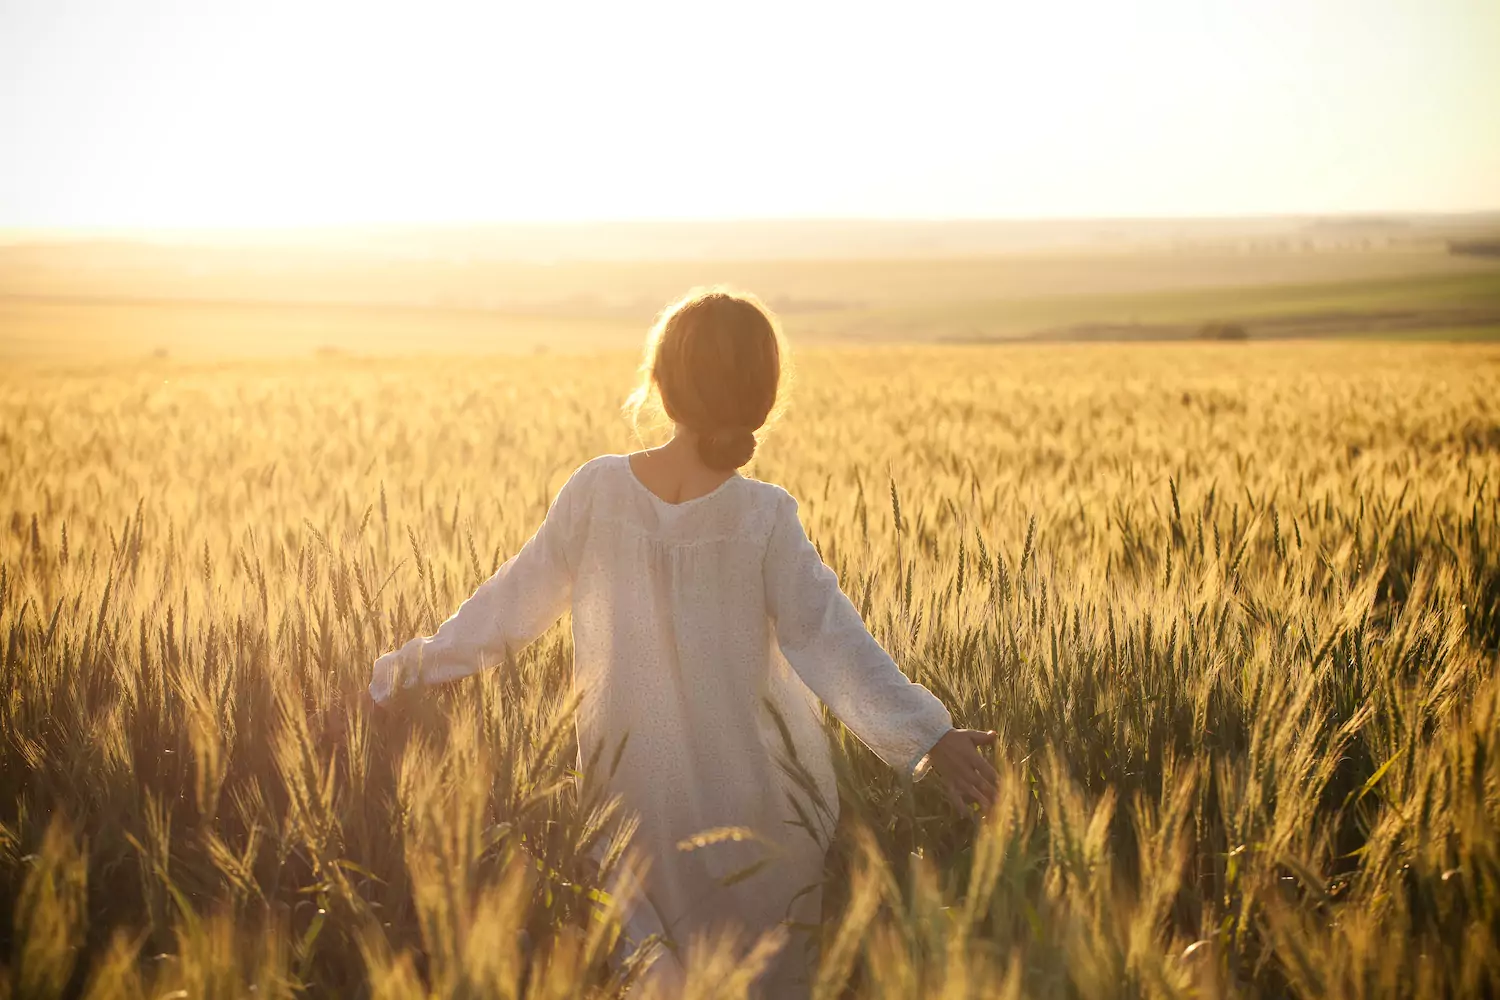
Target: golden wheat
<point>1235,611</point>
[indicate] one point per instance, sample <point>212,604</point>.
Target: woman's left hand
<point>965,772</point>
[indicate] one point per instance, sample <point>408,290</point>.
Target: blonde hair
<point>715,362</point>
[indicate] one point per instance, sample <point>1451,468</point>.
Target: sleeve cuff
<point>922,763</point>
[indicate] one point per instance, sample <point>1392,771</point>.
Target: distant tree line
<point>1223,331</point>
<point>1475,248</point>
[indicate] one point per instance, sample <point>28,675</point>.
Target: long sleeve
<point>824,639</point>
<point>519,602</point>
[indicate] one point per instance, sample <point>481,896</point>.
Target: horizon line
<point>1290,216</point>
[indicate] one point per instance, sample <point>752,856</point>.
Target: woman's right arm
<point>519,602</point>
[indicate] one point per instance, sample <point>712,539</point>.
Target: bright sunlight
<point>158,114</point>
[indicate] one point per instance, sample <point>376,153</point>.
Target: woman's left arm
<point>521,601</point>
<point>824,639</point>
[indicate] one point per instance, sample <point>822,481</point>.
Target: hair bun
<point>726,448</point>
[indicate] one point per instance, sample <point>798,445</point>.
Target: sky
<point>141,113</point>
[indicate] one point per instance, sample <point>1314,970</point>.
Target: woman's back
<point>695,625</point>
<point>706,632</point>
<point>673,646</point>
<point>675,653</point>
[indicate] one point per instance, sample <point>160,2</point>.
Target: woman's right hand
<point>966,774</point>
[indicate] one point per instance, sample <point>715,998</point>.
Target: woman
<point>704,621</point>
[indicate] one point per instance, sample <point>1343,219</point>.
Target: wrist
<point>922,762</point>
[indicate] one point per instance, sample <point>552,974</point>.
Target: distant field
<point>114,300</point>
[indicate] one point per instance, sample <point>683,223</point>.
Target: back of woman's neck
<point>675,472</point>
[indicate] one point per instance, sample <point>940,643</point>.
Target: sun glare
<point>212,114</point>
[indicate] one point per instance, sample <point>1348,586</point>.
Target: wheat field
<point>1234,610</point>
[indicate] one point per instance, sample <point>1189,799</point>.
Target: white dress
<point>688,620</point>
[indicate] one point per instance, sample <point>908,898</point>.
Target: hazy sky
<point>141,113</point>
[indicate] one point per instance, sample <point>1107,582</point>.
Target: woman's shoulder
<point>765,487</point>
<point>584,480</point>
<point>769,495</point>
<point>600,468</point>
<point>599,463</point>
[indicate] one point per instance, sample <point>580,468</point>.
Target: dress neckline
<point>630,471</point>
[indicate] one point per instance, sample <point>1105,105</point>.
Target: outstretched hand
<point>966,774</point>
